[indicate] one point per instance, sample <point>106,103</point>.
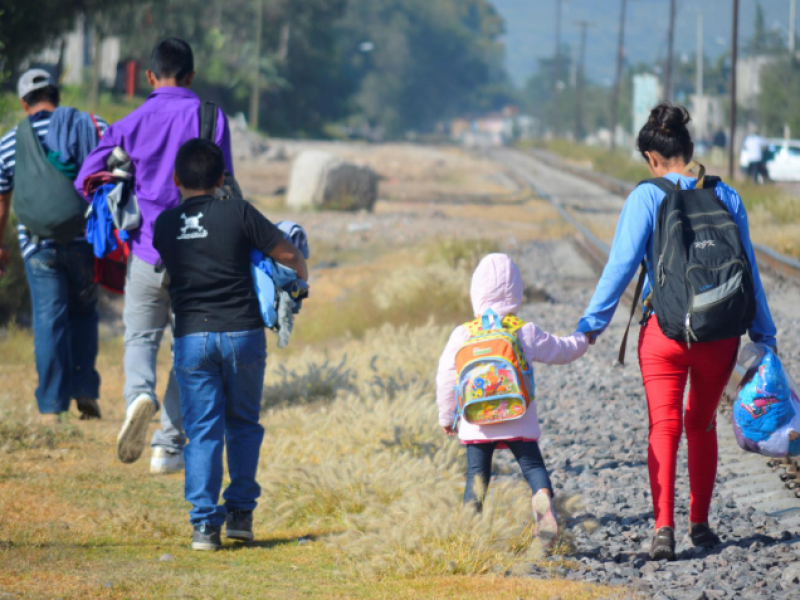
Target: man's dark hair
<point>199,164</point>
<point>172,58</point>
<point>45,94</point>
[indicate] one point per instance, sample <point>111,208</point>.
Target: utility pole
<point>734,59</point>
<point>670,53</point>
<point>255,93</point>
<point>699,92</point>
<point>557,70</point>
<point>580,81</point>
<point>792,19</point>
<point>618,82</point>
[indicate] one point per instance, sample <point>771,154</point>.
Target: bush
<point>15,301</point>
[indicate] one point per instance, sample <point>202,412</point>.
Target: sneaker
<point>239,525</point>
<point>164,462</point>
<point>131,438</point>
<point>543,513</point>
<point>703,537</point>
<point>88,407</point>
<point>206,537</point>
<point>663,545</point>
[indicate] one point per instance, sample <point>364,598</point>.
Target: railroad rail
<point>781,502</point>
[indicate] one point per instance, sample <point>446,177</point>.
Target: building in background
<point>646,94</point>
<point>748,78</point>
<point>75,53</point>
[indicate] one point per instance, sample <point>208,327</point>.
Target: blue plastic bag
<point>766,411</point>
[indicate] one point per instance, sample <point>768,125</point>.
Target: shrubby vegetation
<point>380,475</point>
<point>394,66</point>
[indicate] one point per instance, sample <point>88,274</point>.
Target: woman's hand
<point>450,430</point>
<point>592,337</point>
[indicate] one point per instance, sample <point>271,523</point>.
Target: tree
<point>777,103</point>
<point>26,29</point>
<point>431,60</point>
<point>764,41</point>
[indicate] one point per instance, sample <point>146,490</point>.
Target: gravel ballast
<point>594,438</point>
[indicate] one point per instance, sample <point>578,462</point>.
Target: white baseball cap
<point>32,80</point>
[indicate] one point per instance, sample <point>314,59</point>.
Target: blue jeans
<point>221,377</point>
<point>64,300</point>
<point>479,464</point>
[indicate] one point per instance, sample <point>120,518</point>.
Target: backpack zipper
<point>688,332</point>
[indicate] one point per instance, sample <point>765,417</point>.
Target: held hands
<point>592,337</point>
<point>449,430</point>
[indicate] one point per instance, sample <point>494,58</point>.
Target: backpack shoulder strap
<point>636,295</point>
<point>208,121</point>
<point>662,183</point>
<point>27,142</point>
<point>474,327</point>
<point>512,324</point>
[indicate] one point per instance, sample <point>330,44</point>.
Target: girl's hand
<point>449,430</point>
<point>592,337</point>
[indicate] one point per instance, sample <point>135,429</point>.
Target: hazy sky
<point>530,26</point>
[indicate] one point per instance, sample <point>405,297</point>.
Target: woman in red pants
<point>666,364</point>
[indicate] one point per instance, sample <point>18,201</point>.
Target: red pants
<point>665,366</point>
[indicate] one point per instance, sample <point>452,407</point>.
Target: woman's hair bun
<point>668,119</point>
<point>666,133</point>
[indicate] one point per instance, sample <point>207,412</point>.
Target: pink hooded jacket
<point>497,284</point>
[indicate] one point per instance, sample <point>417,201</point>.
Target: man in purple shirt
<point>152,135</point>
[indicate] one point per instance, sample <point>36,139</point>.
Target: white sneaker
<point>132,436</point>
<point>164,462</point>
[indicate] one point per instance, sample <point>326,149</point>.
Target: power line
<point>580,129</point>
<point>668,80</point>
<point>734,59</point>
<point>618,82</point>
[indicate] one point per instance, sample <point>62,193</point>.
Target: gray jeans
<point>146,315</point>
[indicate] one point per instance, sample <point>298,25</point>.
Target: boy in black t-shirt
<point>220,347</point>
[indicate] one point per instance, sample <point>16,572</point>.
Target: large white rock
<point>322,180</point>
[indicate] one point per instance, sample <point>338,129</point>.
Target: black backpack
<point>208,129</point>
<point>45,200</point>
<point>703,289</point>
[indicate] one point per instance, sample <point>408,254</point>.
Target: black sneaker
<point>703,537</point>
<point>239,525</point>
<point>663,544</point>
<point>206,537</point>
<point>88,407</point>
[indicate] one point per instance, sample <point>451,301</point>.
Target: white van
<point>783,161</point>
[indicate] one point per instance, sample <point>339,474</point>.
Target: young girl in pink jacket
<point>497,285</point>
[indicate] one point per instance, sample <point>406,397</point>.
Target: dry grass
<point>361,490</point>
<point>397,288</point>
<point>774,212</point>
<point>383,474</point>
<point>361,498</point>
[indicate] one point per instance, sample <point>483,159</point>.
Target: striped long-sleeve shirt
<point>8,147</point>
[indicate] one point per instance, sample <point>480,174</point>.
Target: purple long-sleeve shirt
<point>152,135</point>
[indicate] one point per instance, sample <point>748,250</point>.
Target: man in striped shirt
<point>60,278</point>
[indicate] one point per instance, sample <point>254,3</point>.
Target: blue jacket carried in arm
<point>280,292</point>
<point>633,241</point>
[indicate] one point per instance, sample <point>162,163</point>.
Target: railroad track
<point>771,484</point>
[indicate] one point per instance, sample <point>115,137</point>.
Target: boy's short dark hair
<point>172,58</point>
<point>46,94</point>
<point>199,164</point>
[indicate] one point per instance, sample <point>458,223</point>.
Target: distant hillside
<point>530,26</point>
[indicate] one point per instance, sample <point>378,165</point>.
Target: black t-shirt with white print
<point>205,245</point>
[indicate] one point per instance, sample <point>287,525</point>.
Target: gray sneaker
<point>206,537</point>
<point>239,525</point>
<point>133,435</point>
